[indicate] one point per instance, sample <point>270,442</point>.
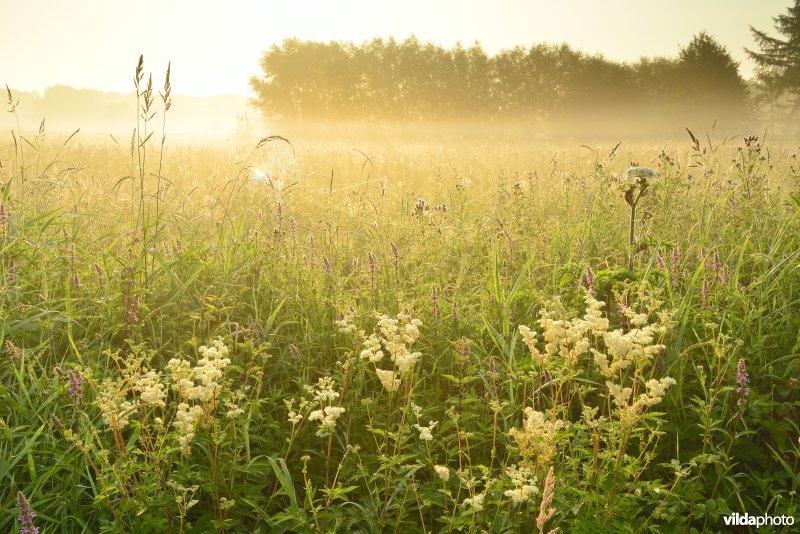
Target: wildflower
<point>529,338</point>
<point>327,417</point>
<point>234,410</point>
<point>442,471</point>
<point>521,494</point>
<point>185,421</point>
<point>476,502</point>
<point>524,484</point>
<point>421,208</point>
<point>538,439</point>
<point>372,350</point>
<point>435,302</point>
<point>75,385</point>
<point>345,325</point>
<point>13,351</point>
<point>656,389</point>
<point>151,389</point>
<point>675,257</point>
<point>425,431</point>
<point>111,401</point>
<point>722,276</point>
<point>388,379</point>
<point>742,385</point>
<point>704,294</point>
<point>26,515</point>
<point>209,369</point>
<point>323,392</point>
<point>293,417</point>
<point>395,258</point>
<point>588,278</point>
<point>594,316</point>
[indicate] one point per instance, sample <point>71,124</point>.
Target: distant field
<point>422,332</point>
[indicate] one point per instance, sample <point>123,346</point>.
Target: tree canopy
<point>410,80</point>
<point>779,58</point>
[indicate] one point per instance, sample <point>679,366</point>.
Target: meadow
<point>420,334</point>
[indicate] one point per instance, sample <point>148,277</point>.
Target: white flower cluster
<point>201,381</point>
<point>567,339</point>
<point>324,394</point>
<point>442,471</point>
<point>635,347</point>
<point>538,438</point>
<point>629,412</point>
<point>524,484</point>
<point>388,379</point>
<point>327,417</point>
<point>113,405</point>
<point>185,422</point>
<point>395,336</point>
<point>345,324</point>
<point>151,390</point>
<point>476,503</point>
<point>425,432</point>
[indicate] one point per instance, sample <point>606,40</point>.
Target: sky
<point>215,47</point>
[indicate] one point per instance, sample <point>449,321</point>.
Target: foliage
<point>426,338</point>
<point>409,80</point>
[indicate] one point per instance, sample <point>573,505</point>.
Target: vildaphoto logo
<point>747,520</point>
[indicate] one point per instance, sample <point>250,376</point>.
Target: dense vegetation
<point>481,336</point>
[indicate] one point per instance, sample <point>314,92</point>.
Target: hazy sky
<point>215,46</point>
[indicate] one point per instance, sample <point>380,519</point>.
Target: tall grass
<point>215,367</point>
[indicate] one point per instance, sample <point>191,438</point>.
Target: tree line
<point>386,79</point>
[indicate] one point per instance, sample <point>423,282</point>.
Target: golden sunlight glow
<point>215,47</point>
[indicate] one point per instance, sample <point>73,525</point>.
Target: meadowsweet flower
<point>151,389</point>
<point>372,352</point>
<point>345,324</point>
<point>185,422</point>
<point>323,391</point>
<point>389,380</point>
<point>113,406</point>
<point>656,389</point>
<point>442,471</point>
<point>594,320</point>
<point>521,494</point>
<point>628,411</point>
<point>476,503</point>
<point>524,484</point>
<point>425,431</point>
<point>327,417</point>
<point>293,417</point>
<point>234,410</point>
<point>538,438</point>
<point>181,372</point>
<point>529,338</point>
<point>209,369</point>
